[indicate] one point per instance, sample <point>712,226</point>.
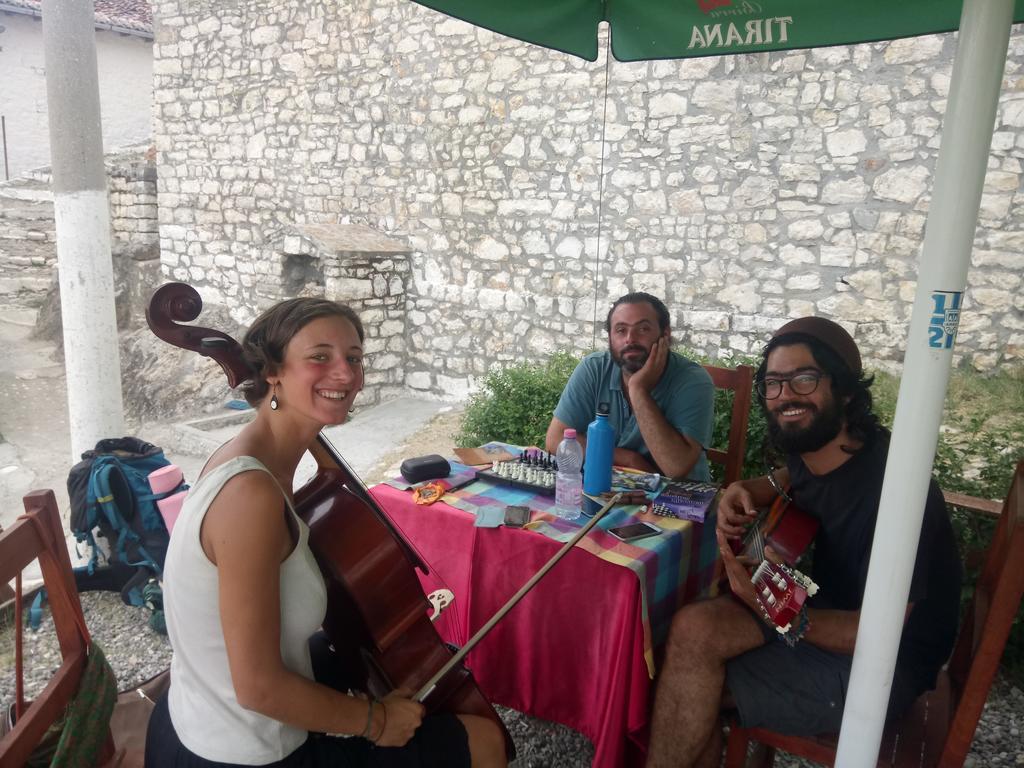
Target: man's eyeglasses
<point>799,384</point>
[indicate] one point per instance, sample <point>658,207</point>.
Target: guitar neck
<point>785,528</point>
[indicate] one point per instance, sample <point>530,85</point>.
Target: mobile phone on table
<point>634,531</point>
<point>516,516</point>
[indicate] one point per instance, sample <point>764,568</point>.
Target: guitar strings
<point>757,543</point>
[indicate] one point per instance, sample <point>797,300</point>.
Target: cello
<point>377,616</point>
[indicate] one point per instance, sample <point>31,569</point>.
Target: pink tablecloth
<point>573,651</point>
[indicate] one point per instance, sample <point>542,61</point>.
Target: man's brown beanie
<point>829,333</point>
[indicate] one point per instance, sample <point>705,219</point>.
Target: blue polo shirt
<point>684,394</point>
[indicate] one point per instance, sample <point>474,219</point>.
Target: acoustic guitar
<point>781,589</point>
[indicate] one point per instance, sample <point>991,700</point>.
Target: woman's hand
<point>401,717</point>
<point>736,510</point>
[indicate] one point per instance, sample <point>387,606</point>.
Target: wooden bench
<point>38,535</point>
<point>939,728</point>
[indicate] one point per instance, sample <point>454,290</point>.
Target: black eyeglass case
<point>421,468</point>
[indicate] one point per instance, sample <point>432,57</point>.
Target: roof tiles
<point>134,15</point>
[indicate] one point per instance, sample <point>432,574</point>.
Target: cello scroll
<point>173,305</point>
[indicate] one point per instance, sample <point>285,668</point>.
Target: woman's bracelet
<point>370,701</point>
<point>384,722</point>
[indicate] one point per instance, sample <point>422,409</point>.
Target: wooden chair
<point>938,729</point>
<point>23,542</point>
<point>740,380</point>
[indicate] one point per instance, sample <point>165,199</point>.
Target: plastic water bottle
<point>597,477</point>
<point>568,480</point>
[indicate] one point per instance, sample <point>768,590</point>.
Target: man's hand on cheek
<point>647,377</point>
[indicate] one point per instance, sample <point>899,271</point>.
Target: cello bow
<point>479,635</point>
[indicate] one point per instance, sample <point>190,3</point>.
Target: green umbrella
<point>676,29</point>
<point>663,29</point>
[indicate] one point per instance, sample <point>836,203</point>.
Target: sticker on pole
<point>945,318</point>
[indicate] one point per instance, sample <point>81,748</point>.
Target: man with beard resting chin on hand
<point>662,405</point>
<point>720,655</point>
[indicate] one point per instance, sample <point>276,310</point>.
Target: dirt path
<point>35,449</point>
<point>436,437</point>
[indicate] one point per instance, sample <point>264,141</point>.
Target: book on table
<point>685,499</point>
<point>634,480</point>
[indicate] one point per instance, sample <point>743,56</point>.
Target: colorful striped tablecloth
<point>674,567</point>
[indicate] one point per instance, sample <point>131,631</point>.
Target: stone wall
<point>131,185</point>
<point>28,242</point>
<point>745,190</point>
<point>355,264</point>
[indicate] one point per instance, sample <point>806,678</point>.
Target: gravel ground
<point>137,653</point>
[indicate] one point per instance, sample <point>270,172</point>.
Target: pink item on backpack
<point>164,480</point>
<point>171,507</point>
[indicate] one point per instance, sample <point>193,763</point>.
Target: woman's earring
<point>274,402</point>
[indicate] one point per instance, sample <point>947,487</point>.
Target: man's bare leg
<point>711,753</point>
<point>703,637</point>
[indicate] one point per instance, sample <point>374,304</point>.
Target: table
<point>579,649</point>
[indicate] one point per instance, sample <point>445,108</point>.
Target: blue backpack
<point>110,497</point>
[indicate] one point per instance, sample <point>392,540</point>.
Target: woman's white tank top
<point>202,703</point>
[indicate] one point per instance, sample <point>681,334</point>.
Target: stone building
<point>464,191</point>
<point>124,59</point>
<point>28,255</point>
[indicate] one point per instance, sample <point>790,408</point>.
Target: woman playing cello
<point>243,593</point>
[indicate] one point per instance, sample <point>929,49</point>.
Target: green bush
<point>982,433</point>
<point>515,403</point>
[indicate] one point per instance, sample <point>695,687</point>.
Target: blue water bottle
<point>597,467</point>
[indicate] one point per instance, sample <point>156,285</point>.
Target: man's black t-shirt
<point>845,501</point>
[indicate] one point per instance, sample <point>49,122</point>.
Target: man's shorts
<point>798,691</point>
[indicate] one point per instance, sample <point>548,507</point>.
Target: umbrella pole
<point>600,183</point>
<point>945,258</point>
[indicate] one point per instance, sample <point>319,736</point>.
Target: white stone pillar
<point>82,216</point>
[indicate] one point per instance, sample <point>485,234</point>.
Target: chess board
<point>537,477</point>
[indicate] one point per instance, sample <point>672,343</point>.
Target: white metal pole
<point>946,253</point>
<point>82,216</point>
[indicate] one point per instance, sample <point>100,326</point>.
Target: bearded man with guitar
<point>721,654</point>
